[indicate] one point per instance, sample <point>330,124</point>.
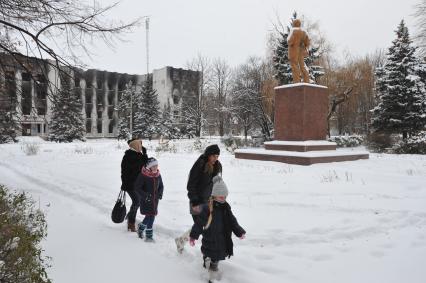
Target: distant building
<point>100,92</point>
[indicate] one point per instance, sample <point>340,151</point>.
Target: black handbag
<point>119,211</point>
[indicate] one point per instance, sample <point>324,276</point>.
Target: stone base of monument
<point>301,153</point>
<point>300,129</point>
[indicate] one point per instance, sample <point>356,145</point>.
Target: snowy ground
<point>362,221</point>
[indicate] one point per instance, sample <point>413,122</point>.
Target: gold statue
<point>298,44</point>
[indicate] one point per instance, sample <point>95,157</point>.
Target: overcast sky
<point>236,29</point>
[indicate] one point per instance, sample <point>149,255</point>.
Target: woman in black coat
<point>200,184</point>
<point>133,160</point>
<point>200,177</point>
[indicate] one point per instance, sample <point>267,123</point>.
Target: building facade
<point>176,88</point>
<point>35,83</point>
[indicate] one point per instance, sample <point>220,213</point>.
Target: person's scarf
<point>147,172</point>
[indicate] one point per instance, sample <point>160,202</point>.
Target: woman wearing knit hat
<point>216,224</point>
<point>200,185</point>
<point>149,186</point>
<point>133,160</point>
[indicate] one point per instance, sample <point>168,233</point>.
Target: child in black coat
<point>149,186</point>
<point>216,224</point>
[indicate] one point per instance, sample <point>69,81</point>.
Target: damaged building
<point>35,82</point>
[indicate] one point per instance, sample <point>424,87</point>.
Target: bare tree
<point>352,92</point>
<point>249,102</point>
<point>196,110</point>
<point>334,102</point>
<point>220,84</point>
<point>60,30</point>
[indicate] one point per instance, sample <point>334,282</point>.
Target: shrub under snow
<point>22,227</point>
<point>347,141</point>
<point>30,148</point>
<point>413,145</point>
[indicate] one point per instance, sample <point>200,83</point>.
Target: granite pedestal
<point>300,129</point>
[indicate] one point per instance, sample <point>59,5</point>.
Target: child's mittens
<point>191,242</point>
<point>243,236</point>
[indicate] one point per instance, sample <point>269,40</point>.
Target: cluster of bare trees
<point>234,100</point>
<point>352,93</point>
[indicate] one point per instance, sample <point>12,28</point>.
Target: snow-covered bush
<point>232,143</point>
<point>21,230</point>
<point>83,149</point>
<point>199,145</point>
<point>413,145</point>
<point>122,145</point>
<point>380,141</point>
<point>30,148</point>
<point>347,141</point>
<point>166,146</point>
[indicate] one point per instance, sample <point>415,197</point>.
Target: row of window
<point>89,108</point>
<point>29,130</point>
<point>111,125</point>
<point>100,83</point>
<point>26,89</point>
<point>100,97</point>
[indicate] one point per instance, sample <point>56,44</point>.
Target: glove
<point>195,201</point>
<point>191,242</point>
<point>243,236</point>
<point>196,209</point>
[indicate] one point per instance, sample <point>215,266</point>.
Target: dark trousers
<point>131,216</point>
<point>149,221</point>
<point>214,264</point>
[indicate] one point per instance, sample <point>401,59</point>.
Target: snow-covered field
<point>362,221</point>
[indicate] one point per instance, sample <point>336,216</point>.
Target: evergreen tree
<point>400,90</point>
<point>282,63</point>
<point>168,127</point>
<point>8,126</point>
<point>66,123</point>
<point>128,99</point>
<point>147,119</point>
<point>9,121</point>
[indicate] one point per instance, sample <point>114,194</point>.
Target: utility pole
<point>147,44</point>
<point>131,115</point>
<point>147,72</point>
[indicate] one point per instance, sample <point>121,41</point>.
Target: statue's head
<point>297,23</point>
